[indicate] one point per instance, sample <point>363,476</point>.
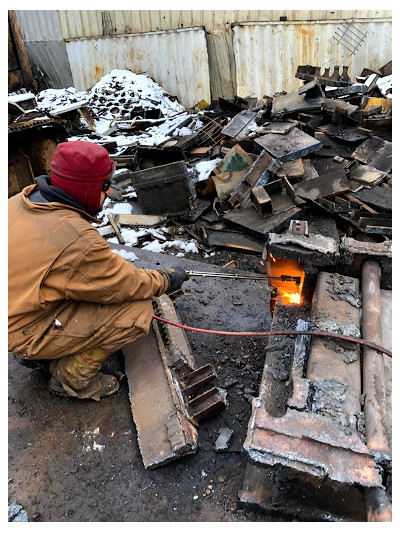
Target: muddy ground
<point>79,461</point>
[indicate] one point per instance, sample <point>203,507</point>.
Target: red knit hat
<point>79,168</point>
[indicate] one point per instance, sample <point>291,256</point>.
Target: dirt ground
<point>79,461</point>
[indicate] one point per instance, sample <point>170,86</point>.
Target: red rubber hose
<point>271,333</point>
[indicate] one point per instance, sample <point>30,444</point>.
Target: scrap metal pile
<point>239,170</point>
<point>301,180</point>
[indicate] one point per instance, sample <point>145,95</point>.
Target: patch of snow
<point>14,98</point>
<point>385,85</point>
<point>129,256</point>
<point>204,168</point>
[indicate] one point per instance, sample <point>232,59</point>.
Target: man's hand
<point>176,276</point>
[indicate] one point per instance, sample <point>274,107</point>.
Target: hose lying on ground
<point>271,333</point>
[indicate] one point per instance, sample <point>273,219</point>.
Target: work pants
<point>82,336</point>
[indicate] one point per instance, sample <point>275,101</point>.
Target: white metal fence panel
<point>177,60</point>
<point>267,54</point>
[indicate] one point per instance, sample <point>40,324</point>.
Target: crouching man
<point>71,301</point>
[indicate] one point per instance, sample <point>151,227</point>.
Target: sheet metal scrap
<point>262,169</point>
<point>231,170</point>
<point>284,104</point>
<point>241,125</point>
<point>293,145</point>
<point>376,153</point>
<point>247,219</point>
<point>163,378</point>
<point>308,73</point>
<point>310,443</point>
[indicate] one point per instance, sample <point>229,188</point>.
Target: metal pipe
<point>373,366</point>
<point>378,504</point>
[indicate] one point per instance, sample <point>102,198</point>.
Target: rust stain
<point>99,72</point>
<point>306,37</point>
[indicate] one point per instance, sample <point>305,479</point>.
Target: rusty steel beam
<point>162,378</point>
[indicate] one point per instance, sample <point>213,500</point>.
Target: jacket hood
<point>44,195</point>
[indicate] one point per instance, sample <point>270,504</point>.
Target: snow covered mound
<point>114,96</point>
<point>117,93</point>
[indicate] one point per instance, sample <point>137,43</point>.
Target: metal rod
<point>283,277</point>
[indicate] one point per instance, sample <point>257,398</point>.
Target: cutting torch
<point>283,277</point>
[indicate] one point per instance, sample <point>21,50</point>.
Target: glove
<point>176,276</point>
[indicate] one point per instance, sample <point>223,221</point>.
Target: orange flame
<point>289,292</point>
<point>291,297</point>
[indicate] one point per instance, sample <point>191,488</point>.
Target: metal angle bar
<point>347,48</point>
<point>352,28</point>
<point>356,45</point>
<point>361,34</point>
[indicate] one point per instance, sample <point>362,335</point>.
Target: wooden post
<point>21,50</point>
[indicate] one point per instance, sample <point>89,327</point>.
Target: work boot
<point>79,374</point>
<point>109,385</point>
<point>43,363</point>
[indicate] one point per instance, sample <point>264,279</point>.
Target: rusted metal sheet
<point>239,126</point>
<point>310,443</point>
<point>326,185</point>
<point>293,145</point>
<point>368,176</point>
<point>231,170</point>
<point>376,153</point>
<point>248,219</point>
<point>281,47</point>
<point>176,59</point>
<point>163,431</point>
<point>294,102</point>
<point>318,243</point>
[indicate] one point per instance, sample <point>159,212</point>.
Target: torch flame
<point>289,291</point>
<point>293,298</point>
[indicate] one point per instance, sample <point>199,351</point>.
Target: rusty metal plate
<point>312,444</point>
<point>293,145</point>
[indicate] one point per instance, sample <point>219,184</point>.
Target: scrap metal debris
<point>259,166</point>
<point>301,178</point>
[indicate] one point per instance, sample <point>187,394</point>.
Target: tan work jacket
<point>56,257</point>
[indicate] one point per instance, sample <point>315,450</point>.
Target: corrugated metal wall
<point>267,54</point>
<point>176,59</point>
<point>45,47</point>
<point>40,27</point>
<point>96,23</point>
<point>216,22</point>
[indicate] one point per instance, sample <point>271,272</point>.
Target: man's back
<point>39,237</point>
